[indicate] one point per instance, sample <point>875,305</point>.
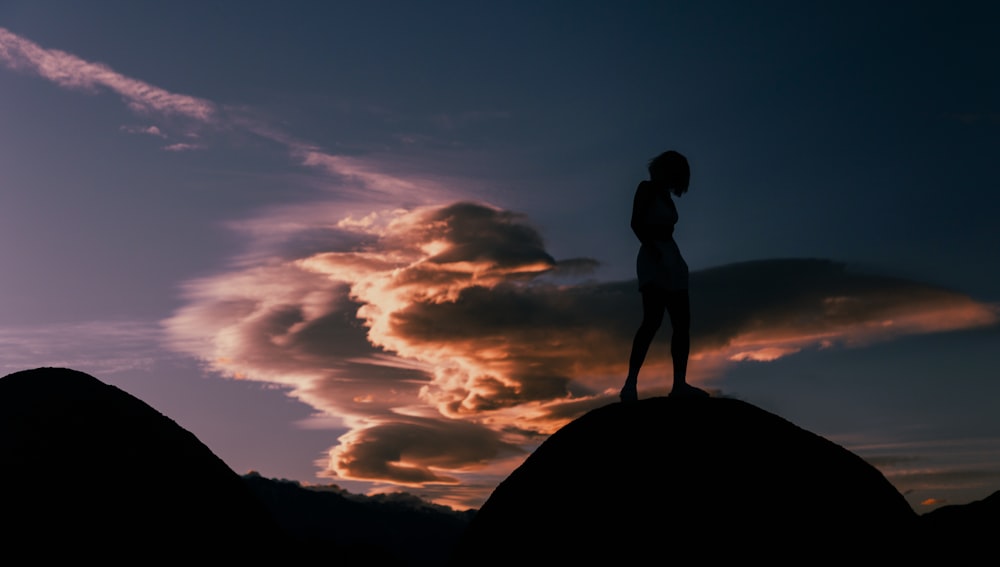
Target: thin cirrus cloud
<point>72,72</point>
<point>937,466</point>
<point>355,176</point>
<point>439,337</point>
<point>99,347</point>
<point>439,334</point>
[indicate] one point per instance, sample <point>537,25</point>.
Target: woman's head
<point>671,169</point>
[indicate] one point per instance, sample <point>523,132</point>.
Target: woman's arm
<point>649,230</point>
<point>640,206</point>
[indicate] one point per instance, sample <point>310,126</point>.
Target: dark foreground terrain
<point>89,472</point>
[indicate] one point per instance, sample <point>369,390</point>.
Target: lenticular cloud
<point>437,336</point>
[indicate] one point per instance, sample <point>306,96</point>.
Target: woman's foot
<point>629,392</point>
<point>686,390</point>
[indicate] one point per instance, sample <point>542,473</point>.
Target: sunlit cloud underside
<point>445,336</point>
<point>451,343</point>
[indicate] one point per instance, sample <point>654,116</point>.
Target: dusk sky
<point>386,245</point>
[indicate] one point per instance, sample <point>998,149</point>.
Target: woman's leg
<point>679,308</point>
<point>653,306</point>
<point>678,305</point>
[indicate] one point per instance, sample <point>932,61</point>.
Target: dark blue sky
<point>190,192</point>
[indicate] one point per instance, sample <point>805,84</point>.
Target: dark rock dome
<point>675,480</point>
<point>89,471</point>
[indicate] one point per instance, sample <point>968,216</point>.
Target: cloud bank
<point>441,336</point>
<point>445,336</point>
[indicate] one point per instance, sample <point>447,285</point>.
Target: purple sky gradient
<point>386,246</point>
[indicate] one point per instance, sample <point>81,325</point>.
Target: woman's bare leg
<point>653,306</point>
<point>679,309</point>
<point>678,306</point>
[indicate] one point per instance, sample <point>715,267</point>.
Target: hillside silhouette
<point>89,472</point>
<point>385,530</point>
<point>698,480</point>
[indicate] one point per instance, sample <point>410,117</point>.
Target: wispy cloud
<point>360,177</point>
<point>934,473</point>
<point>438,333</point>
<point>438,336</point>
<point>181,147</point>
<point>97,347</point>
<point>70,71</point>
<point>148,130</point>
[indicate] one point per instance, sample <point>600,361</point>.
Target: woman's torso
<point>661,217</point>
<point>664,268</point>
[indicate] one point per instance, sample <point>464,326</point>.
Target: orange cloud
<point>437,337</point>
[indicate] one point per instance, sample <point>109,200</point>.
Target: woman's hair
<point>672,169</point>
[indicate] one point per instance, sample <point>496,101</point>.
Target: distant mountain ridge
<point>88,471</point>
<point>399,530</point>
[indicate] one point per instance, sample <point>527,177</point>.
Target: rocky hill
<point>710,480</point>
<point>89,472</point>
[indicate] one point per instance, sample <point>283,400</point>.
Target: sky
<point>385,245</point>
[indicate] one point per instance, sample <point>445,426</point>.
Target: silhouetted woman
<point>662,271</point>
